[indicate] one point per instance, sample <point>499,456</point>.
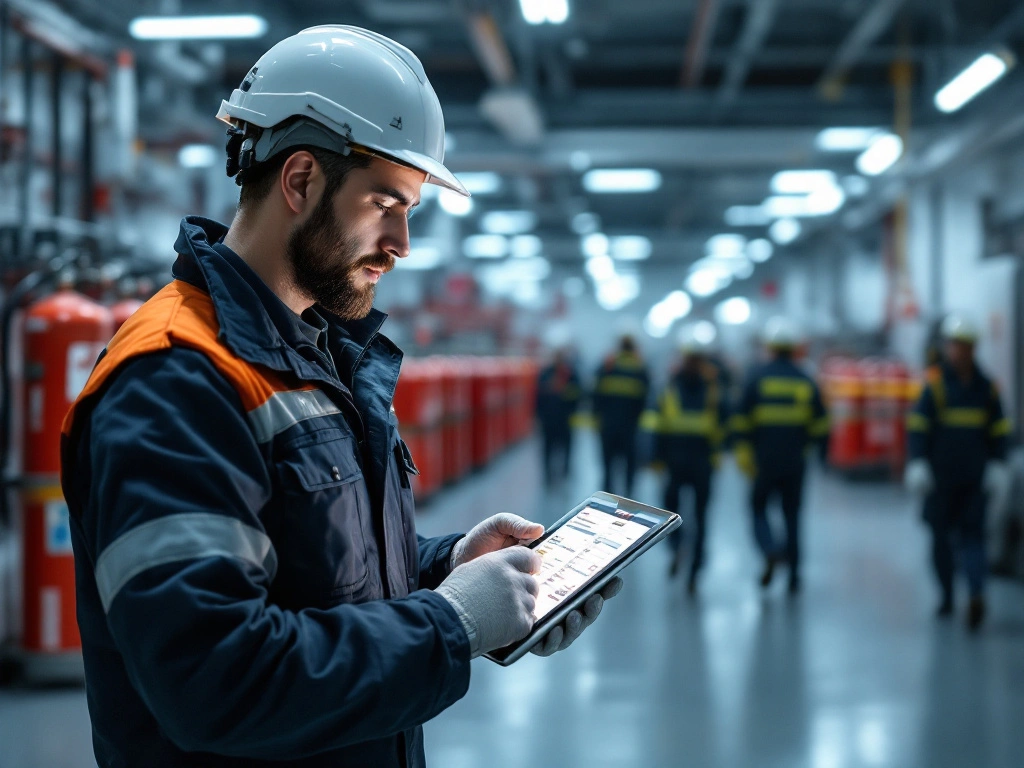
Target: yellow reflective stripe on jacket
<point>650,421</point>
<point>917,422</point>
<point>799,390</point>
<point>782,415</point>
<point>674,420</point>
<point>621,386</point>
<point>820,427</point>
<point>1001,428</point>
<point>964,418</point>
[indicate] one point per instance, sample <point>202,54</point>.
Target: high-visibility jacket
<point>620,393</point>
<point>251,589</point>
<point>688,422</point>
<point>958,427</point>
<point>780,416</point>
<point>558,396</point>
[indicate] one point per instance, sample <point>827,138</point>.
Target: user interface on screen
<point>577,552</point>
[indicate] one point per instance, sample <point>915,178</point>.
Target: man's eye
<point>383,208</point>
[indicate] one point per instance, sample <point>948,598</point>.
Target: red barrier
<point>419,405</point>
<point>844,391</point>
<point>457,435</point>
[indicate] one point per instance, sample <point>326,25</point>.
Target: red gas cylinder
<point>457,438</point>
<point>482,396</point>
<point>64,334</point>
<point>878,427</point>
<point>122,310</point>
<point>419,407</point>
<point>844,390</point>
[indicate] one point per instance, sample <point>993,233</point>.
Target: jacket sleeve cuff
<point>436,559</point>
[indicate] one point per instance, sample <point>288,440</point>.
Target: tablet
<point>581,553</point>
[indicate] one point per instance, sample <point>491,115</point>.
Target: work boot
<point>677,563</point>
<point>794,585</point>
<point>768,573</point>
<point>691,584</point>
<point>975,613</point>
<point>945,609</point>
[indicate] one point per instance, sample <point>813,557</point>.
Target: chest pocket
<point>323,520</point>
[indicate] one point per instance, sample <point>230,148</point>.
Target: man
<point>688,423</point>
<point>251,589</point>
<point>558,397</point>
<point>957,458</point>
<point>620,394</point>
<point>780,417</point>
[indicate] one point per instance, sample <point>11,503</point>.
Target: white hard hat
<point>353,86</point>
<point>695,339</point>
<point>958,327</point>
<point>781,333</point>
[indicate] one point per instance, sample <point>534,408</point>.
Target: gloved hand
<point>744,454</point>
<point>996,482</point>
<point>918,477</point>
<point>494,533</point>
<point>563,635</point>
<point>494,596</point>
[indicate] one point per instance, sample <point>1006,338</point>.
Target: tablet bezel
<point>669,521</point>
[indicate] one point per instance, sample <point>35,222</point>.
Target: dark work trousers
<point>557,453</point>
<point>699,479</point>
<point>618,447</point>
<point>957,519</point>
<point>789,488</point>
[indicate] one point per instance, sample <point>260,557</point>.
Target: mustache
<point>381,261</point>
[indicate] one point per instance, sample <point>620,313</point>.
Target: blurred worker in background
<point>688,420</point>
<point>558,397</point>
<point>957,455</point>
<point>620,394</point>
<point>779,419</point>
<point>251,589</point>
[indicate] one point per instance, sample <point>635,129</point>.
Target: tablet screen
<point>577,551</point>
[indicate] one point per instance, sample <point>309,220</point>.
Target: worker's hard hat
<point>694,339</point>
<point>958,327</point>
<point>781,333</point>
<point>347,86</point>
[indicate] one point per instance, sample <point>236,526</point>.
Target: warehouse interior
<point>679,172</point>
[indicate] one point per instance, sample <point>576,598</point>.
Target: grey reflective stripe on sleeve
<point>285,409</point>
<point>189,536</point>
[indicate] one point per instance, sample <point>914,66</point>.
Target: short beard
<point>325,261</point>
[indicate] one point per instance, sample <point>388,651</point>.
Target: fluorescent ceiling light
<point>981,74</point>
<point>600,268</point>
<point>747,216</point>
<point>631,248</point>
<point>785,231</point>
<point>454,204</point>
<point>197,27</point>
<point>545,11</point>
<point>197,156</point>
<point>707,282</point>
<point>421,257</point>
<point>485,246</point>
<point>675,306</point>
<point>743,270</point>
<point>482,183</point>
<point>526,246</point>
<point>594,245</point>
<point>631,180</point>
<point>733,311</point>
<point>846,139</point>
<point>881,155</point>
<point>801,182</point>
<point>760,250</point>
<point>704,332</point>
<point>727,245</point>
<point>585,223</point>
<point>508,222</point>
<point>822,202</point>
<point>526,295</point>
<point>616,293</point>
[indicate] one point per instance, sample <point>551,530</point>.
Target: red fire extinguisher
<point>64,334</point>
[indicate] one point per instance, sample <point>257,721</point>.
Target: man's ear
<point>301,182</point>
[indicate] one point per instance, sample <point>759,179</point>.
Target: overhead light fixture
<point>727,246</point>
<point>631,248</point>
<point>747,216</point>
<point>733,311</point>
<point>846,139</point>
<point>802,182</point>
<point>526,246</point>
<point>981,74</point>
<point>704,332</point>
<point>743,269</point>
<point>662,315</point>
<point>821,202</point>
<point>616,293</point>
<point>707,281</point>
<point>621,180</point>
<point>481,183</point>
<point>881,155</point>
<point>454,204</point>
<point>595,244</point>
<point>545,11</point>
<point>600,268</point>
<point>485,246</point>
<point>515,114</point>
<point>508,222</point>
<point>236,27</point>
<point>785,231</point>
<point>760,250</point>
<point>585,223</point>
<point>198,156</point>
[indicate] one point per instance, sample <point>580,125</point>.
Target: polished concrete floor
<point>855,672</point>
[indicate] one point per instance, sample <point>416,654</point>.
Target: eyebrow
<point>395,194</point>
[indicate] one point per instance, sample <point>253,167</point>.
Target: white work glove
<point>494,596</point>
<point>495,533</point>
<point>996,482</point>
<point>563,635</point>
<point>918,477</point>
